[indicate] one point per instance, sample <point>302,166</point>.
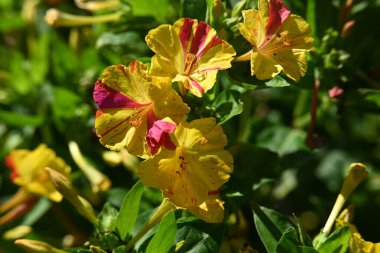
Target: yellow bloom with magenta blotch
<point>190,53</point>
<point>191,174</point>
<point>28,170</point>
<point>279,39</point>
<point>136,111</point>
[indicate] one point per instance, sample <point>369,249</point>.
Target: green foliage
<point>129,211</point>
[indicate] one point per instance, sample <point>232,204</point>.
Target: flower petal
<point>169,58</point>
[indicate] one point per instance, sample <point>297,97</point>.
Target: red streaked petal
<point>106,98</point>
<point>277,15</point>
<point>200,36</point>
<point>185,32</point>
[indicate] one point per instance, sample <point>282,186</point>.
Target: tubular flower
<point>28,170</point>
<point>190,53</point>
<point>191,174</point>
<point>133,109</point>
<point>279,39</point>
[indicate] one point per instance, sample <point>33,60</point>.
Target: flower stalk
<point>97,6</point>
<point>55,17</point>
<point>356,174</point>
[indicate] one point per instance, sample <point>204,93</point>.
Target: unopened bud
<point>98,180</point>
<point>64,186</point>
<point>55,17</point>
<point>33,246</point>
<point>347,28</point>
<point>97,6</point>
<point>17,232</point>
<point>335,92</point>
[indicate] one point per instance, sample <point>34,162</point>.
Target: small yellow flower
<point>279,39</point>
<point>133,109</point>
<point>191,174</point>
<point>28,170</point>
<point>190,53</point>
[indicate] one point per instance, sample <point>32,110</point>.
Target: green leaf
<point>199,237</point>
<point>164,237</point>
<point>129,211</point>
<point>337,242</point>
<point>196,9</point>
<point>282,140</point>
<point>20,120</point>
<point>288,244</point>
<point>270,225</point>
<point>40,60</point>
<point>228,104</point>
<point>124,43</point>
<point>277,82</point>
<point>153,8</point>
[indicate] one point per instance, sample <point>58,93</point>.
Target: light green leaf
<point>337,242</point>
<point>164,237</point>
<point>129,210</point>
<point>20,120</point>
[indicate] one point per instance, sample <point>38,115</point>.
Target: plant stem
<point>310,140</point>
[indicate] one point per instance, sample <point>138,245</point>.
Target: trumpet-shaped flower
<point>133,109</point>
<point>191,174</point>
<point>279,39</point>
<point>190,53</point>
<point>28,170</point>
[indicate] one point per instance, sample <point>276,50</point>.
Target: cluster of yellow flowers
<point>139,109</point>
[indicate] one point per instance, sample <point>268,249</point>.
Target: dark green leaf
<point>228,104</point>
<point>129,211</point>
<point>199,237</point>
<point>270,225</point>
<point>289,244</point>
<point>164,237</point>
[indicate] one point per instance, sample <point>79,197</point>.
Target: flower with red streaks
<point>191,174</point>
<point>279,39</point>
<point>190,53</point>
<point>136,111</point>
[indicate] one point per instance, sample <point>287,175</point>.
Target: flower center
<point>190,61</point>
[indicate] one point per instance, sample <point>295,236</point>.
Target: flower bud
<point>98,180</point>
<point>64,186</point>
<point>33,246</point>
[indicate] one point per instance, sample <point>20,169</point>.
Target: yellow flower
<point>191,174</point>
<point>357,243</point>
<point>133,108</point>
<point>190,53</point>
<point>28,170</point>
<point>279,39</point>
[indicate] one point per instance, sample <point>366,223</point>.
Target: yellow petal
<point>264,67</point>
<point>253,29</point>
<point>164,41</point>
